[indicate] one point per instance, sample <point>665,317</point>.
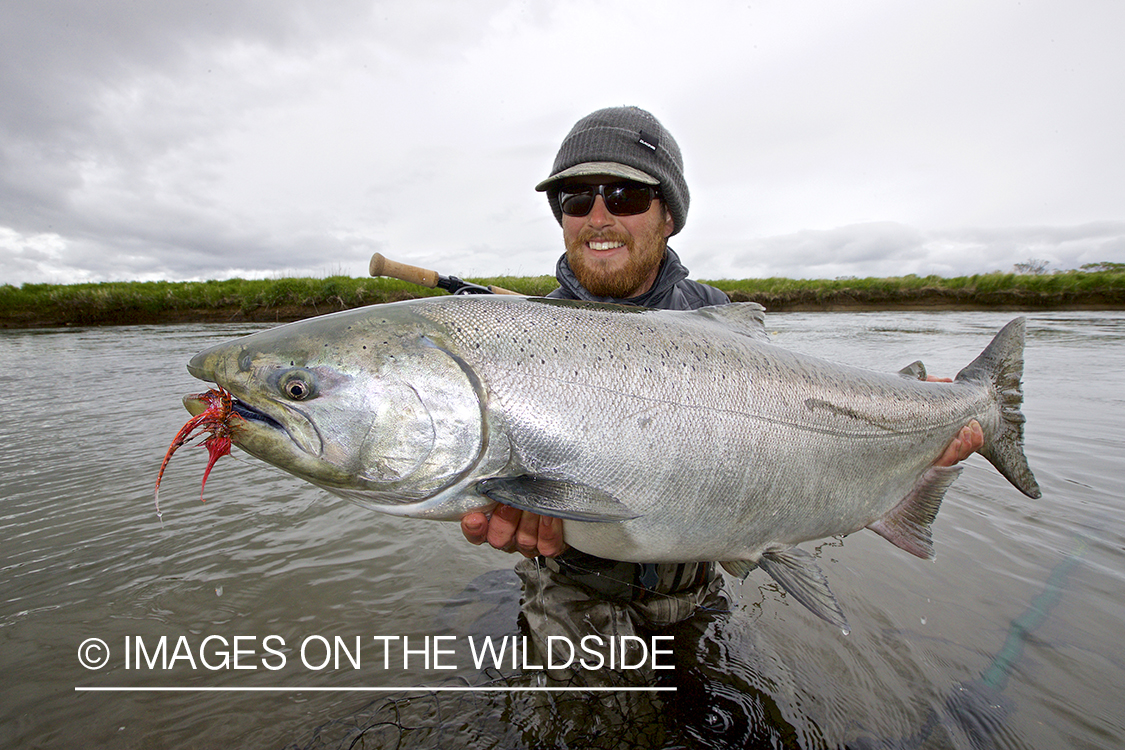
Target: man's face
<point>616,256</point>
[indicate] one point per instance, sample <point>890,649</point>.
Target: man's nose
<point>599,214</point>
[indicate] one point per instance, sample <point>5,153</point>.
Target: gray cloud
<point>173,140</point>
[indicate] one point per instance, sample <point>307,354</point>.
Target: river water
<point>1011,638</point>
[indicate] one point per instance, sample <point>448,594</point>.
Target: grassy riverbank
<point>279,300</point>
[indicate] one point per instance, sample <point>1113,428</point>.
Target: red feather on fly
<point>219,419</point>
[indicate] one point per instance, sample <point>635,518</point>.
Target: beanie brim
<point>598,168</point>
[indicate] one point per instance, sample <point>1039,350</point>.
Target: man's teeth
<point>605,245</point>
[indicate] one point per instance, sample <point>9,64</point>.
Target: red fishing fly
<point>219,419</point>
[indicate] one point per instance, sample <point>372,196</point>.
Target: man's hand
<point>514,530</point>
<point>967,442</point>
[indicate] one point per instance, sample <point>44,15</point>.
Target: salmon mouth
<point>197,405</point>
<point>250,414</point>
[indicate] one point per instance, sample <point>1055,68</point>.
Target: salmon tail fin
<point>1001,364</point>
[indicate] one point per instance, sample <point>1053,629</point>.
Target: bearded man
<point>617,188</point>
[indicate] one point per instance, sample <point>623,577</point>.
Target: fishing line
<point>996,675</point>
<point>977,707</point>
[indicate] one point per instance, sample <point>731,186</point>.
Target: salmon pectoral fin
<point>556,498</point>
<point>907,525</point>
<point>798,574</point>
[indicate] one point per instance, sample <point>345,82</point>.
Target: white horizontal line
<point>465,689</point>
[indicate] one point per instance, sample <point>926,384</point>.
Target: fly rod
<point>381,266</point>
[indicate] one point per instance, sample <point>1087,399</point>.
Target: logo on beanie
<point>649,141</point>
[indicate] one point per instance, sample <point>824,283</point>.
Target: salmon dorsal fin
<point>907,525</point>
<point>747,318</point>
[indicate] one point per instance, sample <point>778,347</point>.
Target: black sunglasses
<point>621,198</point>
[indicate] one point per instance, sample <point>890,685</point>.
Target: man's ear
<point>669,222</point>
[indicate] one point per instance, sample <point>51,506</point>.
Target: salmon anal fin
<point>907,525</point>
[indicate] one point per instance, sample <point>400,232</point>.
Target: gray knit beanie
<point>625,142</point>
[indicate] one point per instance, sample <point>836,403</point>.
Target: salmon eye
<point>298,385</point>
<point>297,390</point>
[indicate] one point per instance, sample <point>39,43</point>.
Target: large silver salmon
<point>658,435</point>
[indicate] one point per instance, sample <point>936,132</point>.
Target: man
<point>618,190</point>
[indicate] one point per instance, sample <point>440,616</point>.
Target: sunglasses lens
<point>576,203</point>
<point>622,199</point>
<point>626,200</point>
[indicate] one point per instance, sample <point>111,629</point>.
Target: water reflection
<point>89,413</point>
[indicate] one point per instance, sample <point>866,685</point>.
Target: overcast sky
<point>260,138</point>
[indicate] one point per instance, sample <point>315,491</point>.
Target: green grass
<point>1073,281</point>
<point>166,296</point>
<point>1072,287</point>
<point>290,298</point>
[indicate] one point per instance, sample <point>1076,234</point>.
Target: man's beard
<point>646,253</point>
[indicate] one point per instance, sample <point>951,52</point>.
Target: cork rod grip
<point>381,266</point>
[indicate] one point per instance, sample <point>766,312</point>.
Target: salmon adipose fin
<point>1001,363</point>
<point>914,371</point>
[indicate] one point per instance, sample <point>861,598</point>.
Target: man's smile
<point>605,244</point>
